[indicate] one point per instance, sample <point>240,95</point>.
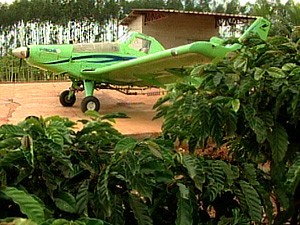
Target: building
<point>174,27</point>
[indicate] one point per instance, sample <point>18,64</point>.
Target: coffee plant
<point>249,102</point>
<point>51,174</point>
<point>228,153</point>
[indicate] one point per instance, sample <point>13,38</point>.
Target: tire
<point>65,100</point>
<point>90,103</point>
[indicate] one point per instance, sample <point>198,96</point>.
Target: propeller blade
<point>21,52</point>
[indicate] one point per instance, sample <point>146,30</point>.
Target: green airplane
<point>136,60</point>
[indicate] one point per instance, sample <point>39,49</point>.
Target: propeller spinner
<point>21,52</point>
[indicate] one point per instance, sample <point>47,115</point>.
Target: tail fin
<point>260,27</point>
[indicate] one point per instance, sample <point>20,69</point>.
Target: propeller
<point>21,52</point>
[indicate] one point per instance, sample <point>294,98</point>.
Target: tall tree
<point>174,4</point>
<point>203,5</point>
<point>277,13</point>
<point>234,7</point>
<point>189,4</point>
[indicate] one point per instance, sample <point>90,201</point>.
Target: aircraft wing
<point>158,68</point>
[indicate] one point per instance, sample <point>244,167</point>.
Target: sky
<point>6,1</point>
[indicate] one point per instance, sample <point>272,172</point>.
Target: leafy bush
<point>247,103</point>
<point>49,172</point>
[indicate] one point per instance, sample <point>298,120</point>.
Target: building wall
<point>137,24</point>
<point>178,29</point>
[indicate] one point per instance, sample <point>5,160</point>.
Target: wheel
<point>65,100</point>
<point>90,103</point>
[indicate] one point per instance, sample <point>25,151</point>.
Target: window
<point>140,44</point>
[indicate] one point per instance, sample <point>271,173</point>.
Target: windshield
<point>124,38</point>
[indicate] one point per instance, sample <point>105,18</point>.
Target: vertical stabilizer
<point>260,27</point>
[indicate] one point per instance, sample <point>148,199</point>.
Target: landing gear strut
<point>68,98</point>
<point>89,102</point>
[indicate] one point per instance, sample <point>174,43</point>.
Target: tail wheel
<point>67,100</point>
<point>90,103</point>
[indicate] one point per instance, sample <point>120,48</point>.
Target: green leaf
<point>126,144</point>
<point>10,157</point>
<point>278,139</point>
<point>92,221</point>
<point>216,178</point>
<point>250,172</point>
<point>92,113</point>
<point>184,207</point>
<point>253,201</point>
<point>197,70</point>
<point>35,125</point>
<point>28,205</point>
<point>241,64</point>
<point>235,104</point>
<point>117,216</point>
<point>293,176</point>
<point>216,121</point>
<point>259,73</point>
<point>22,221</point>
<point>217,79</point>
<point>104,194</point>
<point>289,67</point>
<point>154,149</point>
<point>82,198</point>
<point>142,186</point>
<point>65,202</point>
<point>195,81</point>
<point>259,128</point>
<point>283,198</point>
<point>276,72</point>
<point>10,143</point>
<point>58,222</point>
<point>140,210</point>
<point>231,80</point>
<point>295,72</point>
<point>194,169</point>
<point>227,170</point>
<point>161,101</point>
<point>12,130</point>
<point>49,177</point>
<point>249,112</point>
<point>54,134</point>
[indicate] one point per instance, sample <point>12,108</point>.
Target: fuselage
<point>72,59</point>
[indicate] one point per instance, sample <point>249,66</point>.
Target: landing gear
<point>67,98</point>
<point>90,103</point>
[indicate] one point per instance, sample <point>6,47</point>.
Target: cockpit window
<point>96,47</point>
<point>140,44</point>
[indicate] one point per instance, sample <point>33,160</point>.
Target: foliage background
<point>249,102</point>
<point>228,154</point>
<point>50,21</point>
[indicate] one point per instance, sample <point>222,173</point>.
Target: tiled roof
<point>136,12</point>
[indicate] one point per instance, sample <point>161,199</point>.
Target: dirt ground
<point>19,100</point>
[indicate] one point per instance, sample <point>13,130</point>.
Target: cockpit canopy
<point>96,47</point>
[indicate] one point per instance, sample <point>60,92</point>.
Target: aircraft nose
<point>21,52</point>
